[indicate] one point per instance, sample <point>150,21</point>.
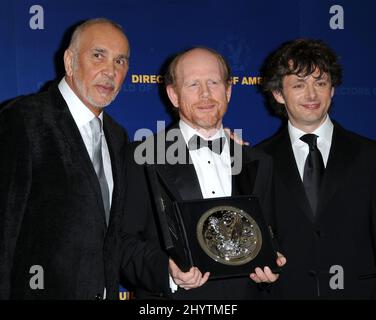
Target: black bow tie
<point>216,145</point>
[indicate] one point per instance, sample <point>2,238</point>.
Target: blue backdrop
<point>245,31</point>
<point>33,35</point>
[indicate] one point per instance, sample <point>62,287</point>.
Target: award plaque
<point>229,235</point>
<point>226,236</point>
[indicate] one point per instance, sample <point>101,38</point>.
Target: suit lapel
<point>341,155</point>
<point>181,178</point>
<point>65,122</point>
<point>115,155</point>
<point>243,183</point>
<point>287,169</point>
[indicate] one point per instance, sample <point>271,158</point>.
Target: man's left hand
<point>267,275</point>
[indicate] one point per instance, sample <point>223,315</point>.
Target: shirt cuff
<point>173,285</point>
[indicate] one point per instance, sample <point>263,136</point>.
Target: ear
<point>68,62</point>
<point>174,98</point>
<point>332,94</point>
<point>228,92</point>
<point>278,96</point>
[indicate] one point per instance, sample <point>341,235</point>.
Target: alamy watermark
<point>36,282</point>
<point>37,20</point>
<point>153,149</point>
<point>337,21</point>
<point>336,281</point>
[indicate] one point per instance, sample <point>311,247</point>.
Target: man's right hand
<point>187,280</point>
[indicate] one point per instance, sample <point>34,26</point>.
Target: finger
<point>204,278</point>
<point>237,139</point>
<point>196,277</point>
<point>281,259</point>
<point>270,275</point>
<point>254,277</point>
<point>180,277</point>
<point>191,276</point>
<point>191,279</point>
<point>200,281</point>
<point>191,285</point>
<point>261,275</point>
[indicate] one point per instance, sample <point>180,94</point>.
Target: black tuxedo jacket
<point>146,264</point>
<point>342,233</point>
<point>51,211</point>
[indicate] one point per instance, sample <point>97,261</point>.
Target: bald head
<point>75,39</point>
<point>96,63</point>
<point>170,77</point>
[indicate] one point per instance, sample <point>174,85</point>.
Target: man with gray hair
<point>60,168</point>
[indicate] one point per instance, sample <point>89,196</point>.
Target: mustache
<point>205,102</point>
<point>106,83</point>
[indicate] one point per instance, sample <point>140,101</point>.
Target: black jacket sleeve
<point>15,183</point>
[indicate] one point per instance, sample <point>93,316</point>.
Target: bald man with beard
<point>60,169</point>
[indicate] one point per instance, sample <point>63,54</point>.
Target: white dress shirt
<point>213,170</point>
<point>301,149</point>
<point>82,117</point>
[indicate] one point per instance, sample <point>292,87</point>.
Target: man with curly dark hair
<point>325,180</point>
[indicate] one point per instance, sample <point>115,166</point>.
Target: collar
<point>187,132</point>
<point>324,133</point>
<point>81,114</point>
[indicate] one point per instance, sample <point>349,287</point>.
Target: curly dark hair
<point>300,57</point>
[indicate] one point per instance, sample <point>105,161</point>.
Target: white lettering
<point>337,280</point>
<point>37,280</point>
<point>37,20</point>
<point>337,21</point>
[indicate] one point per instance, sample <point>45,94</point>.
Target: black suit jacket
<point>146,264</point>
<point>51,211</point>
<point>342,233</point>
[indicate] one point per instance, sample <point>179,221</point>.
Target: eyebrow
<point>120,56</point>
<point>123,56</point>
<point>100,50</point>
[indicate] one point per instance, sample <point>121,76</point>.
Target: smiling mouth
<point>208,107</point>
<point>311,106</point>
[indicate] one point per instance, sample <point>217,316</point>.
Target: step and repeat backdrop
<point>34,34</point>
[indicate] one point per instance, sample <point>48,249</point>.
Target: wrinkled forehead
<point>199,62</point>
<point>104,34</point>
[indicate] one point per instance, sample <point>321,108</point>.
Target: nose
<point>109,70</point>
<point>205,91</point>
<point>311,92</point>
